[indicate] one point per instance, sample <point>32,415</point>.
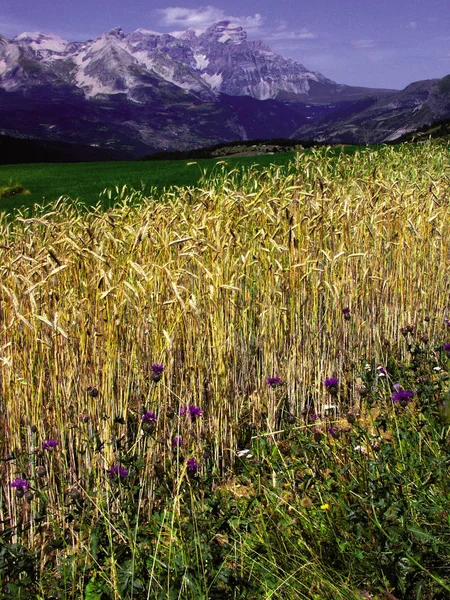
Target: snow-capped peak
<point>147,31</point>
<point>42,41</point>
<point>219,59</point>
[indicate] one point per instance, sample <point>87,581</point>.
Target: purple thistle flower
<point>273,381</point>
<point>314,417</point>
<point>402,397</point>
<point>397,387</point>
<point>148,417</point>
<point>157,370</point>
<point>49,444</point>
<point>331,384</point>
<point>177,441</point>
<point>148,422</point>
<point>192,465</point>
<point>446,348</point>
<point>116,472</point>
<point>382,372</point>
<point>194,411</point>
<point>346,313</point>
<point>20,484</point>
<point>333,431</point>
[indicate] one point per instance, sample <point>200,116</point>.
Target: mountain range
<point>144,92</point>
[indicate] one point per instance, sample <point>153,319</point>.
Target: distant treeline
<point>25,150</point>
<point>259,146</point>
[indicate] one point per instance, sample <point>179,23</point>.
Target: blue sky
<point>377,43</point>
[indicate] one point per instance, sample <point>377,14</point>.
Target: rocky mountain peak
<point>116,32</point>
<point>224,32</point>
<point>190,35</point>
<point>220,60</point>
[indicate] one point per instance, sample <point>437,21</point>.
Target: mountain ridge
<point>145,91</point>
<point>419,105</point>
<point>219,60</point>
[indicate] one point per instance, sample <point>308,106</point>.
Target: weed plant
<point>238,392</point>
<point>12,189</point>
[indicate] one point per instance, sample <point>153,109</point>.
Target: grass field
<point>86,182</point>
<point>238,392</point>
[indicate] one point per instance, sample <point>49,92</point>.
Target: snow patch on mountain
<point>201,61</point>
<point>144,58</point>
<point>146,32</point>
<point>225,37</point>
<point>214,81</point>
<point>42,41</point>
<point>188,34</point>
<point>106,43</point>
<point>166,71</point>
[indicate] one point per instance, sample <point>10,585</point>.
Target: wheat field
<point>243,278</point>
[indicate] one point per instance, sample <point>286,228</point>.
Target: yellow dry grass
<point>228,284</point>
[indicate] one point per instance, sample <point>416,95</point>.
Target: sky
<point>371,43</point>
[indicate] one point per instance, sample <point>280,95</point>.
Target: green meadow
<point>86,182</point>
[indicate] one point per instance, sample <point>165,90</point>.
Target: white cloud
<point>249,23</point>
<point>203,17</point>
<point>255,25</point>
<point>187,17</point>
<point>411,25</point>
